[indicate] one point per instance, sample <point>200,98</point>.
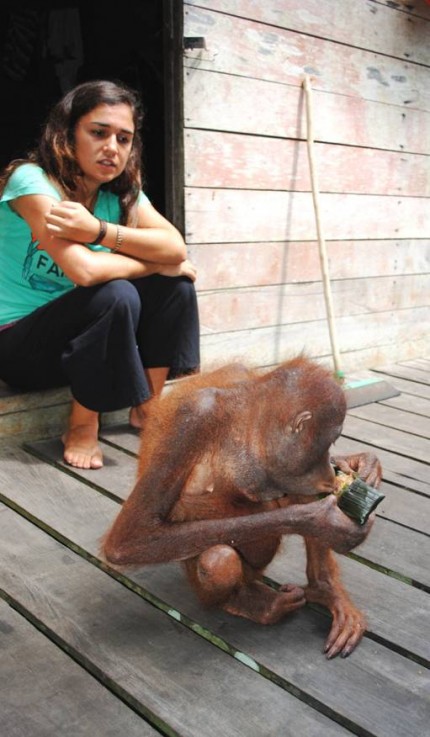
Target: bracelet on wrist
<point>101,234</point>
<point>119,239</point>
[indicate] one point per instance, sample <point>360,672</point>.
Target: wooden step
<point>39,414</point>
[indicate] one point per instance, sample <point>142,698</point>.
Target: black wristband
<point>101,234</point>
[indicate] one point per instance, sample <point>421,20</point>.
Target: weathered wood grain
<point>396,418</point>
<point>420,367</point>
<point>391,439</point>
<point>241,46</point>
<point>407,473</point>
<point>420,378</point>
<point>397,549</point>
<point>121,436</point>
<point>270,345</point>
<point>363,584</point>
<point>44,693</point>
<point>218,215</point>
<point>402,507</point>
<point>399,30</point>
<point>284,654</point>
<point>420,363</point>
<point>230,160</point>
<point>14,400</point>
<point>163,668</point>
<point>393,548</point>
<point>416,405</point>
<point>225,310</point>
<point>396,506</point>
<point>405,384</point>
<point>116,477</point>
<point>244,151</point>
<point>307,627</point>
<point>235,265</point>
<point>223,102</point>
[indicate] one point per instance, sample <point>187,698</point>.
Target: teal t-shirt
<point>29,278</point>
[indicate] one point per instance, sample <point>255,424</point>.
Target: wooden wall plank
<point>222,265</point>
<point>248,209</point>
<point>232,160</point>
<point>242,47</point>
<point>223,102</point>
<point>256,307</point>
<point>393,29</point>
<point>267,346</point>
<point>217,215</point>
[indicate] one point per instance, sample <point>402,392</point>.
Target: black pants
<point>98,340</point>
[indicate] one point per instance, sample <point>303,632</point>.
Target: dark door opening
<point>46,48</point>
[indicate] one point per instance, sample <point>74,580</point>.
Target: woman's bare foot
<point>81,448</point>
<point>156,379</point>
<point>136,417</point>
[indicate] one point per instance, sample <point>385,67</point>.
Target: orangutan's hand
<point>366,465</point>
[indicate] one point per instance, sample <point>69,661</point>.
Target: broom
<point>361,391</point>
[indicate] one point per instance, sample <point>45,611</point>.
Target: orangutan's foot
<point>262,604</point>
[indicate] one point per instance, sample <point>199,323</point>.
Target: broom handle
<point>321,241</point>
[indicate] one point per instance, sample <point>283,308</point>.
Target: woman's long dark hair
<point>55,152</point>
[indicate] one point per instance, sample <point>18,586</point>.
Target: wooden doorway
<point>48,47</point>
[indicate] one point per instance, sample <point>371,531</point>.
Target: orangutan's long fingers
<point>344,636</point>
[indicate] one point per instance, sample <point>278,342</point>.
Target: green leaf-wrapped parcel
<point>356,498</point>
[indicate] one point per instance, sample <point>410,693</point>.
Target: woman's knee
<point>184,291</point>
<point>120,296</point>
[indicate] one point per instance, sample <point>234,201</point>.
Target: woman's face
<point>103,142</point>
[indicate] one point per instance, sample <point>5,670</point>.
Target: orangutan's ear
<point>300,421</point>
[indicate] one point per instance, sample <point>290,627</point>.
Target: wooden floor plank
<point>400,506</point>
<point>409,403</point>
<point>408,372</point>
<point>124,637</point>
<point>44,693</point>
<point>158,663</point>
<point>396,506</point>
<point>84,516</point>
<point>369,591</point>
<point>398,550</point>
<point>418,364</point>
<point>394,418</point>
<point>405,472</point>
<point>123,436</point>
<point>117,476</point>
<point>387,438</point>
<point>149,651</point>
<point>374,674</point>
<point>404,379</point>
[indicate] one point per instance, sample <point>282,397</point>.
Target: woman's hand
<point>73,222</point>
<point>185,268</point>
